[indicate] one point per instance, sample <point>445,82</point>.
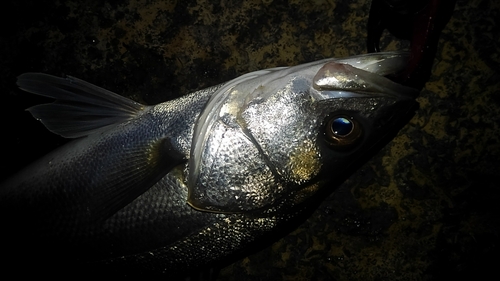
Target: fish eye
<point>342,131</point>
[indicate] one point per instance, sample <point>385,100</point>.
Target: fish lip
<point>382,63</point>
<point>386,65</point>
<point>363,76</point>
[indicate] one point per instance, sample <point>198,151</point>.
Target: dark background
<point>425,207</point>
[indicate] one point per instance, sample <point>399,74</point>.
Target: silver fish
<point>187,182</point>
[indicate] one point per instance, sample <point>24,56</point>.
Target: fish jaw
<point>264,135</point>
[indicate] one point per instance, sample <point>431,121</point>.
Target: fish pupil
<point>342,126</point>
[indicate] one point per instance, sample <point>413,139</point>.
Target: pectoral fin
<point>145,168</point>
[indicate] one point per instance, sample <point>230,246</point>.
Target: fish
<point>179,185</point>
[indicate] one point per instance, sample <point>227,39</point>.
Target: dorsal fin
<point>80,108</point>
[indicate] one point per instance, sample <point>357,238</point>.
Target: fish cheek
<point>303,162</point>
<point>233,175</point>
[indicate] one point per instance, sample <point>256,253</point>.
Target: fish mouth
<point>364,75</point>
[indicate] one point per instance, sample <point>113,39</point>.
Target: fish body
<point>180,184</point>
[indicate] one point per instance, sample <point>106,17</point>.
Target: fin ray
<point>80,108</point>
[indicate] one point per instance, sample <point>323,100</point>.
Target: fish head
<point>284,132</point>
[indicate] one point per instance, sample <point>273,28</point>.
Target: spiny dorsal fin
<point>80,108</point>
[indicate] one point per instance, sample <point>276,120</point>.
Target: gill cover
<point>256,139</point>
